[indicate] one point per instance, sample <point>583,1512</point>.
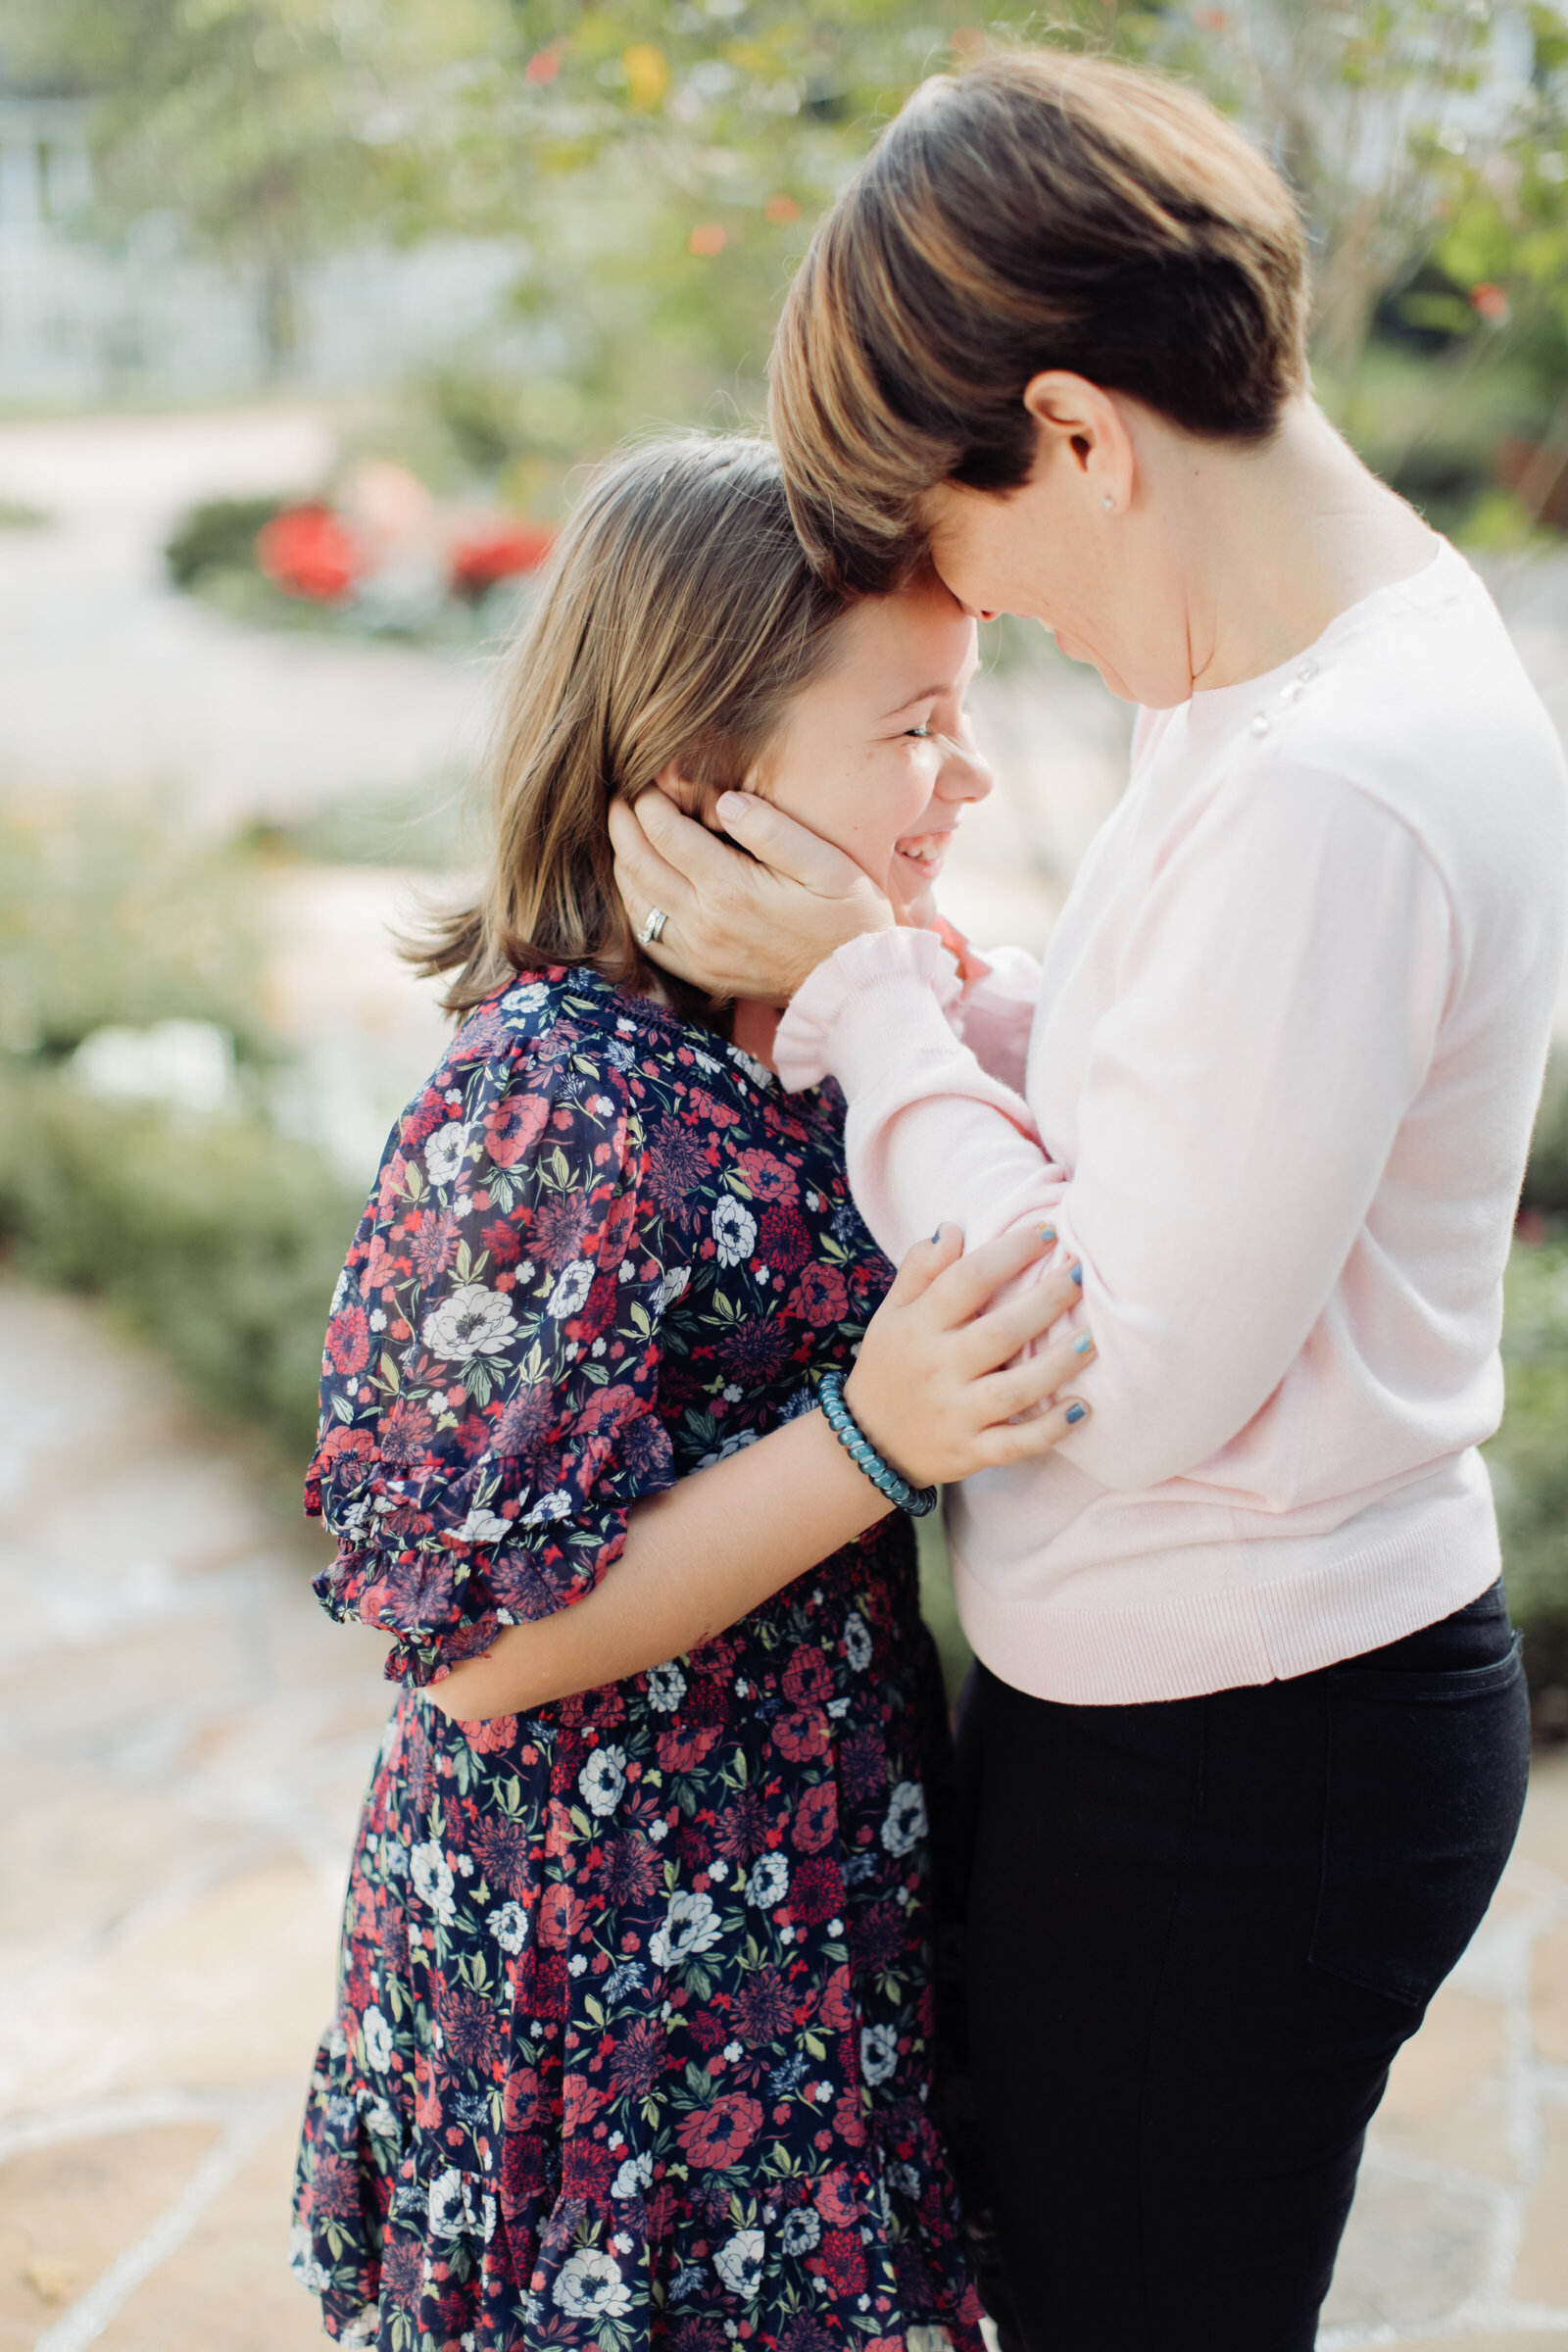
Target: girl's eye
<point>921,733</point>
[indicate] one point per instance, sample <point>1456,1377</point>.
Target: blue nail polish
<point>1047,1233</point>
<point>1078,1276</point>
<point>937,1236</point>
<point>1082,1345</point>
<point>1075,1413</point>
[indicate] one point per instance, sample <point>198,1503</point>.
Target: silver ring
<point>654,928</point>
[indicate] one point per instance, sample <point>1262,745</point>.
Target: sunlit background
<point>311,318</point>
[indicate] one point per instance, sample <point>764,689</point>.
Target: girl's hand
<point>936,1385</point>
<point>740,926</point>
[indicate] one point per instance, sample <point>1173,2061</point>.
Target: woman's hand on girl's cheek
<point>940,1375</point>
<point>740,926</point>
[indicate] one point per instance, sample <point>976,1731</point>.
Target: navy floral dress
<point>634,2035</point>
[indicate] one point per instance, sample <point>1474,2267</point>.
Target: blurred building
<point>89,314</point>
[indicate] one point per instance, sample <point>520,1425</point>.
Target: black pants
<point>1199,1932</point>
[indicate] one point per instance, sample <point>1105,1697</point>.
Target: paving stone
<point>230,1990</point>
<point>1446,2100</point>
<point>79,1850</point>
<point>1541,2274</point>
<point>67,2212</point>
<point>1489,2340</point>
<point>1548,1997</point>
<point>1543,1835</point>
<point>1413,2251</point>
<point>228,2287</point>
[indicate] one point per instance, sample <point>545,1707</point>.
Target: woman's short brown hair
<point>1041,210</point>
<point>678,618</point>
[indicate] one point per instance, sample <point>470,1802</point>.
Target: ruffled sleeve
<point>491,1373</point>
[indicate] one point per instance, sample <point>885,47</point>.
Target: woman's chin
<point>914,911</point>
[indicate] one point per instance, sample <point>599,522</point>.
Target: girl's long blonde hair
<point>678,618</point>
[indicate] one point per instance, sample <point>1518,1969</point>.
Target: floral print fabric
<point>634,2036</point>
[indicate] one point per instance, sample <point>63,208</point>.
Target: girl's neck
<point>753,1027</point>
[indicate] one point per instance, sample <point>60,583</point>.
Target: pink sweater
<point>1274,1085</point>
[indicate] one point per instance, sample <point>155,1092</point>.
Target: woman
<point>1249,1737</point>
<point>633,2043</point>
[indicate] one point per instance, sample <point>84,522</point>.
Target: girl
<point>634,2035</point>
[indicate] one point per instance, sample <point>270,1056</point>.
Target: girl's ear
<point>692,800</point>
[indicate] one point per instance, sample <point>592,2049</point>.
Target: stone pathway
<point>183,1743</point>
<point>184,1739</point>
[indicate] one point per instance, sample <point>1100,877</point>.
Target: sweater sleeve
<point>1277,1007</point>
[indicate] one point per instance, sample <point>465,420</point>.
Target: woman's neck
<point>1279,540</point>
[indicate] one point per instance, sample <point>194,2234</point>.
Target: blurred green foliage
<point>219,535</point>
<point>216,1237</point>
<point>657,168</point>
<point>1529,1465</point>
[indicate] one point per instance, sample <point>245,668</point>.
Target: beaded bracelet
<point>917,1500</point>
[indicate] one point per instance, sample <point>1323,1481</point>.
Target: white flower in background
<point>634,2175</point>
<point>591,2287</point>
<point>690,1925</point>
<point>857,1641</point>
<point>734,1231</point>
<point>470,1321</point>
<point>768,1882</point>
<point>377,2039</point>
<point>802,2230</point>
<point>603,1779</point>
<point>674,1281</point>
<point>739,2263</point>
<point>666,1688</point>
<point>445,1151</point>
<point>879,2053</point>
<point>905,1824</point>
<point>188,1063</point>
<point>571,1288</point>
<point>433,1881</point>
<point>508,1925</point>
<point>483,1527</point>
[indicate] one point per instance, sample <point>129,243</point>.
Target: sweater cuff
<point>869,1001</point>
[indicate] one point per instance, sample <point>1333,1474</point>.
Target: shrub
<point>219,1239</point>
<point>217,536</point>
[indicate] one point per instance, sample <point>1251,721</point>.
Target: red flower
<point>717,2135</point>
<point>782,1241</point>
<point>819,1296</point>
<point>807,1680</point>
<point>816,1818</point>
<point>513,1127</point>
<point>841,2259</point>
<point>802,1734</point>
<point>348,1340</point>
<point>501,554</point>
<point>816,1890</point>
<point>306,551</point>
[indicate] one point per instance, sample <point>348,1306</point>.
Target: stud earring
<point>1109,502</point>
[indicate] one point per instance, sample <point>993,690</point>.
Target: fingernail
<point>1047,1233</point>
<point>1081,1346</point>
<point>731,805</point>
<point>1078,1276</point>
<point>937,1236</point>
<point>1075,1413</point>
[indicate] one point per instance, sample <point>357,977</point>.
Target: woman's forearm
<point>697,1559</point>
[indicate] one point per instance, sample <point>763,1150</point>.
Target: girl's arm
<point>720,1543</point>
